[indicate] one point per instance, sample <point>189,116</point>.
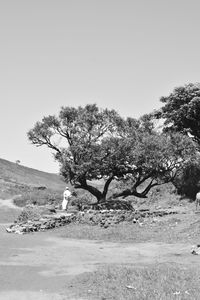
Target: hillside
<point>15,174</point>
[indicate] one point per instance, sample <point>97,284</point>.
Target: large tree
<point>90,144</point>
<point>181,110</point>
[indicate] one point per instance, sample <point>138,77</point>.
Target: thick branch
<point>106,186</point>
<point>129,192</point>
<point>82,184</point>
<point>46,142</point>
<point>132,191</point>
<point>147,189</point>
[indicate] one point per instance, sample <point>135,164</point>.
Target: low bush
<point>29,213</point>
<point>188,181</point>
<point>82,200</point>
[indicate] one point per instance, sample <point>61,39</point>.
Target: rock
<point>195,250</point>
<point>19,232</point>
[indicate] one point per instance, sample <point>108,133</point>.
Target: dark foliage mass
<point>188,180</point>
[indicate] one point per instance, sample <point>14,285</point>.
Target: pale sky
<point>120,54</point>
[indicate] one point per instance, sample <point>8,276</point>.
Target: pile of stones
<point>106,218</point>
<point>41,224</point>
<point>103,218</point>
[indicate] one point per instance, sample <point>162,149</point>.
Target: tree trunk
<point>100,196</point>
<point>101,199</point>
<point>93,190</point>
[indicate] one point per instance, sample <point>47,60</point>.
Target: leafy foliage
<point>181,110</point>
<point>159,158</point>
<point>188,181</point>
<point>92,144</point>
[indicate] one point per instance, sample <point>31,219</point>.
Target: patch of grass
<point>155,282</point>
<point>10,189</point>
<point>39,197</point>
<point>168,229</point>
<point>121,232</point>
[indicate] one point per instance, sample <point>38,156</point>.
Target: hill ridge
<point>20,174</point>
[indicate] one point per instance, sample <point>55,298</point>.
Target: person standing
<point>66,197</point>
<point>197,201</point>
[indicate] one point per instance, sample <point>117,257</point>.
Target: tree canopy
<point>91,143</point>
<point>181,110</point>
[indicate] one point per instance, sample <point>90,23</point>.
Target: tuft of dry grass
<point>163,281</point>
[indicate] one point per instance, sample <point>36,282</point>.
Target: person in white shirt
<point>66,197</point>
<point>197,201</point>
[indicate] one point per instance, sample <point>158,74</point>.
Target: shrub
<point>29,213</point>
<point>83,200</point>
<point>188,181</point>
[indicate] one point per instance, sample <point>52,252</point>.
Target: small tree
<point>90,144</point>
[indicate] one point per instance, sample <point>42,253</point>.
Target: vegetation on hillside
<point>29,186</point>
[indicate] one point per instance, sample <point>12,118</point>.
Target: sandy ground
<point>38,266</point>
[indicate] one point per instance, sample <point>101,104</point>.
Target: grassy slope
<point>12,172</point>
<point>20,180</point>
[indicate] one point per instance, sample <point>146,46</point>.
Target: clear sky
<point>120,54</point>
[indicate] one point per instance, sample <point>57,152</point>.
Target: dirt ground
<point>38,266</point>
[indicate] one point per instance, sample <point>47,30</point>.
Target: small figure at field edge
<point>66,197</point>
<point>197,200</point>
